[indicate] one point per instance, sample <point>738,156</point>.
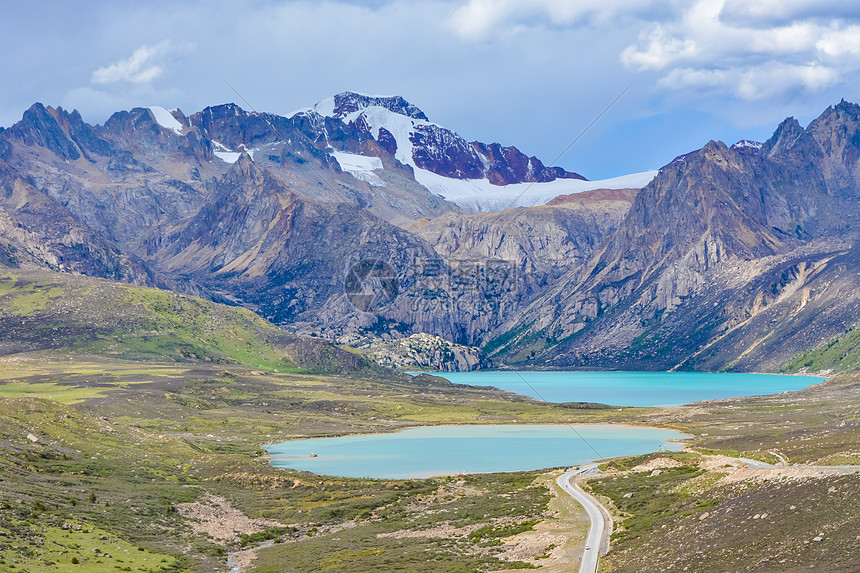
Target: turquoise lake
<point>446,450</point>
<point>631,388</point>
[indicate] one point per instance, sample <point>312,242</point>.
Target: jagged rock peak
<point>346,103</point>
<point>784,138</point>
<point>244,169</point>
<point>843,117</point>
<point>64,133</point>
<point>224,109</point>
<point>714,146</point>
<point>845,107</point>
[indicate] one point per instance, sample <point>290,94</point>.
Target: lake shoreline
<point>625,389</point>
<point>432,451</point>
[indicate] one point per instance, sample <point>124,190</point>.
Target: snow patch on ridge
<point>224,154</point>
<point>165,119</point>
<point>481,196</point>
<point>360,166</point>
<point>325,107</point>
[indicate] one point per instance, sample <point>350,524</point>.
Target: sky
<point>530,73</point>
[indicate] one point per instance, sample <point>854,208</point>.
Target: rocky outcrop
<point>37,232</point>
<point>423,352</point>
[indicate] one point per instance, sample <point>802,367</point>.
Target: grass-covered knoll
<point>72,545</point>
<point>40,310</point>
<point>439,525</point>
<point>645,498</point>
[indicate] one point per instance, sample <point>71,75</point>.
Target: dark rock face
<point>5,147</point>
<point>509,165</point>
<point>349,102</point>
<point>40,127</point>
<point>445,153</point>
<point>387,141</point>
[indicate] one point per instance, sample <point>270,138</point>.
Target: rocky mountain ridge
<point>723,250</point>
<point>407,133</point>
<point>732,257</point>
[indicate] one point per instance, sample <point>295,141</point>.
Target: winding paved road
<point>597,540</point>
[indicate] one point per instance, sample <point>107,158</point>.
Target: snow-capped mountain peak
<point>747,144</point>
<point>441,159</point>
<point>350,103</point>
<point>475,175</point>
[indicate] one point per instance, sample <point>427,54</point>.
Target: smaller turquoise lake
<point>631,388</point>
<point>445,450</point>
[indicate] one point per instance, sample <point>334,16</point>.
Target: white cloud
<point>772,12</point>
<point>139,68</point>
<point>759,83</point>
<point>660,50</point>
<point>838,43</point>
<point>480,19</point>
<point>782,48</point>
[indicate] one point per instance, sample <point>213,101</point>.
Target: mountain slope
<point>731,257</point>
<point>44,310</point>
<point>38,232</point>
<point>720,262</point>
<point>542,243</point>
<point>256,243</point>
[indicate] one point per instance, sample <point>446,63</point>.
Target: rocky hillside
<point>330,222</point>
<point>265,211</point>
<point>542,242</point>
<point>731,258</point>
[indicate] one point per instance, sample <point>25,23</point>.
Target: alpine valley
<point>180,293</point>
<point>728,258</point>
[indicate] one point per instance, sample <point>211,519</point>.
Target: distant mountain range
<point>736,257</point>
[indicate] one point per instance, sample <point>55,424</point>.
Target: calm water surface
<point>632,388</point>
<point>445,450</point>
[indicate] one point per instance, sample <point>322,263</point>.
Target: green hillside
<point>837,355</point>
<point>42,310</point>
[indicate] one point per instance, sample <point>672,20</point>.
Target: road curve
<point>827,470</point>
<point>597,540</point>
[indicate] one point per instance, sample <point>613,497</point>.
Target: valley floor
<point>143,466</point>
